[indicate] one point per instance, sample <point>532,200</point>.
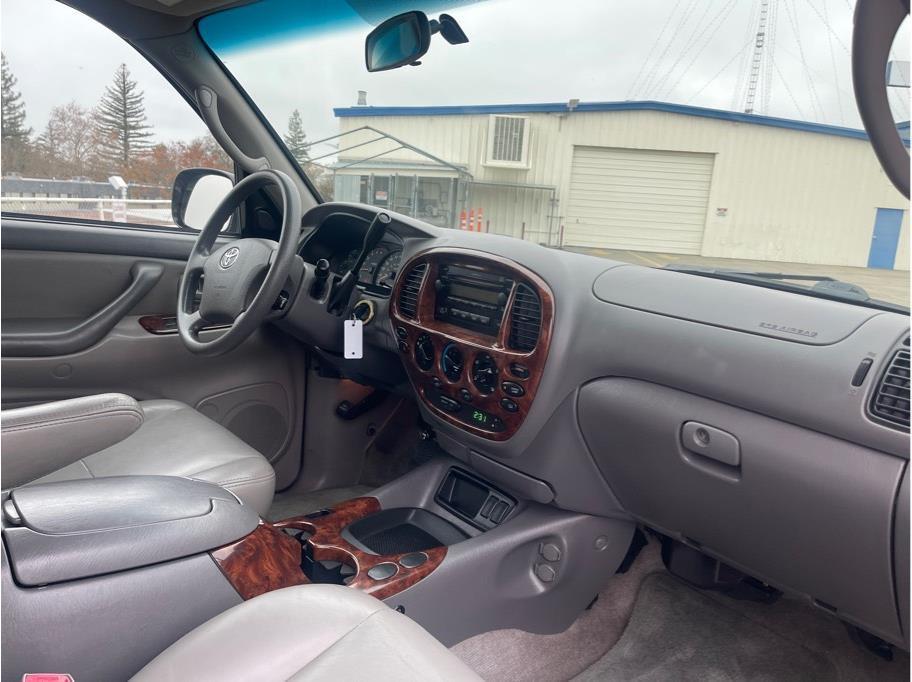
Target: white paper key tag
<point>353,346</point>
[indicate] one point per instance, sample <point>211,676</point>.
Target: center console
<point>86,563</point>
<point>473,331</point>
<point>360,543</point>
<point>356,543</point>
<point>83,561</point>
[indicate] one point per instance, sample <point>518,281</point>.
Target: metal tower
<point>757,58</point>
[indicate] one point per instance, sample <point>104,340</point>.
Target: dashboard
<point>595,393</point>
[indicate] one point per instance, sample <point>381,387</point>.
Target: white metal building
<point>645,176</point>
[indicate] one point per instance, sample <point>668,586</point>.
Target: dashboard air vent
<point>525,323</point>
<point>891,400</point>
<point>408,295</point>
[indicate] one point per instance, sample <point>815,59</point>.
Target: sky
<point>686,51</point>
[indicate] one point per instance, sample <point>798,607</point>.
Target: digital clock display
<point>481,417</point>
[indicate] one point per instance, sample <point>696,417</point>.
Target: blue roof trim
<point>561,107</point>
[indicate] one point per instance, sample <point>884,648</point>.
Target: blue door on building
<point>885,239</point>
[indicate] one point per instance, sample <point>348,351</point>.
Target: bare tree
<point>68,141</point>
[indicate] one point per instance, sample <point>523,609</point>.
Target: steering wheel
<point>876,24</point>
<point>242,279</point>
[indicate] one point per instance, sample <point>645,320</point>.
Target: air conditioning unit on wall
<point>508,142</point>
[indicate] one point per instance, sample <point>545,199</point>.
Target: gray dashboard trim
<point>901,554</point>
<point>777,314</point>
<point>804,384</point>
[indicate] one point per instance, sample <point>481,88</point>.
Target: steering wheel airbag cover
<point>232,273</point>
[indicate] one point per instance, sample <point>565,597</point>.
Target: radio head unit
<point>471,298</point>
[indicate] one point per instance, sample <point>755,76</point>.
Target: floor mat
<point>286,505</point>
<point>677,633</point>
<point>793,618</point>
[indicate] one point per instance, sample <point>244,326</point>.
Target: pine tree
<point>120,123</point>
<point>14,136</point>
<point>295,139</point>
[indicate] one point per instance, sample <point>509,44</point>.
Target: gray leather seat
<point>114,435</point>
<point>309,632</point>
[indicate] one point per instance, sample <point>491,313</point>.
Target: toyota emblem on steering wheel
<point>229,257</point>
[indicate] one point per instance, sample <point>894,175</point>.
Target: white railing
<point>143,211</point>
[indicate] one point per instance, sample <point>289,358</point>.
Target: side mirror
<point>398,41</point>
<point>197,192</point>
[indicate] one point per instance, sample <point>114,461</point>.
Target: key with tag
<point>353,346</point>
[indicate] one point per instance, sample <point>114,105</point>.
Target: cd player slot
<point>471,299</point>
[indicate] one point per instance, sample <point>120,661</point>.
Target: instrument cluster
<point>379,268</point>
<point>338,238</point>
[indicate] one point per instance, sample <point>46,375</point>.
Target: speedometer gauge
<point>386,272</point>
<point>371,265</point>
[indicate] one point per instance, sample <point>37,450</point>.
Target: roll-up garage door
<point>638,199</point>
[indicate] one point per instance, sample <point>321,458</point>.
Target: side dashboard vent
<point>525,325</point>
<point>408,294</point>
<point>891,400</point>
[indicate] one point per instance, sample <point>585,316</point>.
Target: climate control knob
<point>451,362</point>
<point>484,373</point>
<point>424,352</point>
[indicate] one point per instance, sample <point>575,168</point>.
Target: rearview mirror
<point>197,192</point>
<point>398,41</point>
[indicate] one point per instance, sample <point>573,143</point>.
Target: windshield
<point>716,134</point>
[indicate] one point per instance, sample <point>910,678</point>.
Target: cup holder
<point>301,536</point>
<point>333,572</point>
<point>339,569</point>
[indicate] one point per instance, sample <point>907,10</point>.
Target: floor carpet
<point>648,625</point>
<point>677,633</point>
<point>286,505</point>
<point>816,630</point>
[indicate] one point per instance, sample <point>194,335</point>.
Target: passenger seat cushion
<point>308,632</point>
<point>176,440</point>
<point>40,439</point>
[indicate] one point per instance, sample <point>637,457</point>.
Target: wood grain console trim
<point>270,559</point>
<point>265,560</point>
<point>472,342</point>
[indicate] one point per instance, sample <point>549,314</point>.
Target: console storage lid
<point>76,529</point>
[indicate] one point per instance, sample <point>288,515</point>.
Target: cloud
<point>59,54</point>
<point>594,50</point>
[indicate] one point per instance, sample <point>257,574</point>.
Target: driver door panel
<point>58,276</point>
